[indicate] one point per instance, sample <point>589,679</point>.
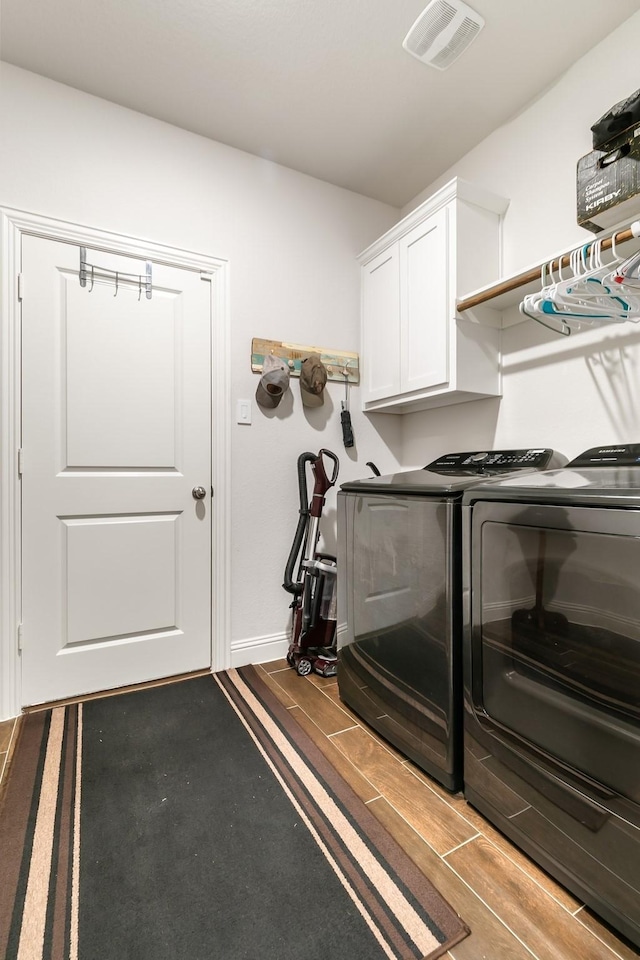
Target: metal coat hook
<point>106,275</point>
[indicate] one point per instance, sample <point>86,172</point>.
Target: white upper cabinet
<point>381,305</point>
<point>416,353</point>
<point>424,300</point>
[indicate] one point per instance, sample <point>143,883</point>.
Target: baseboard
<point>259,649</point>
<point>341,635</point>
<point>265,649</point>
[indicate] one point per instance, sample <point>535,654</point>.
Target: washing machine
<point>399,595</point>
<point>551,570</point>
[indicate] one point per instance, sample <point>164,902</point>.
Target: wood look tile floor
<point>514,909</point>
<point>8,733</point>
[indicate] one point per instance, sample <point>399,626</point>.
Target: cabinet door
<point>381,326</point>
<point>425,304</point>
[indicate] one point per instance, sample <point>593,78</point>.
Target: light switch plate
<point>243,411</point>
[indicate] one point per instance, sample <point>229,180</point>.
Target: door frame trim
<point>13,225</point>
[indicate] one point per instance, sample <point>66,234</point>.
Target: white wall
<point>291,242</point>
<point>568,393</point>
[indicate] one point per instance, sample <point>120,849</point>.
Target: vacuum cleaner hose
<point>290,585</point>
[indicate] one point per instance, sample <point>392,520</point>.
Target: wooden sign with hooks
<point>336,361</point>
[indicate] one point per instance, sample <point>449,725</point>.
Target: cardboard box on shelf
<point>608,183</point>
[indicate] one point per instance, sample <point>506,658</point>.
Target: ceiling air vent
<point>442,32</point>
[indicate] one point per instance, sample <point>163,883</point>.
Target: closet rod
<point>530,276</point>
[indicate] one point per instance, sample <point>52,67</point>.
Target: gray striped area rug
<point>197,820</point>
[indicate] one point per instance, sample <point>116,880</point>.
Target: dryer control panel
<point>615,455</point>
<point>537,458</point>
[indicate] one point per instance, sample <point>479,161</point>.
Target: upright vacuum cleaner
<point>313,627</point>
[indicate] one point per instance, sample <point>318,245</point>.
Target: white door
<point>116,434</point>
<point>425,304</point>
<point>381,326</point>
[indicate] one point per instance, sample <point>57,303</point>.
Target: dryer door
<point>557,634</point>
<point>552,681</point>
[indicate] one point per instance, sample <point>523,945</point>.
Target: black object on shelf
<point>615,121</point>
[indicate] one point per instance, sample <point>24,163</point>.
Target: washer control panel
<point>537,458</point>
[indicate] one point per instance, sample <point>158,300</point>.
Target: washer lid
<point>413,481</point>
<point>452,473</point>
<point>427,482</point>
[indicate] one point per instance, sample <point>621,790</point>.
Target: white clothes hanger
<point>596,293</point>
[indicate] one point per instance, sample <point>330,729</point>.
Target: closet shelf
<point>510,291</point>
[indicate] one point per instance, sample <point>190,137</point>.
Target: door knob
<point>199,493</point>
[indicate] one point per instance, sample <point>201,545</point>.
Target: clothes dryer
<point>552,671</point>
<point>399,592</point>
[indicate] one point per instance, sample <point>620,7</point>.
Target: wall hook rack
<point>342,366</point>
<point>90,272</point>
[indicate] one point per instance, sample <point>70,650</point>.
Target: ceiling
<point>322,86</point>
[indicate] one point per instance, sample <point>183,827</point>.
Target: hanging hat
<point>313,377</point>
<point>274,381</point>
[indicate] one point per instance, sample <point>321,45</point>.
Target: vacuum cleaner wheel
<point>304,667</point>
